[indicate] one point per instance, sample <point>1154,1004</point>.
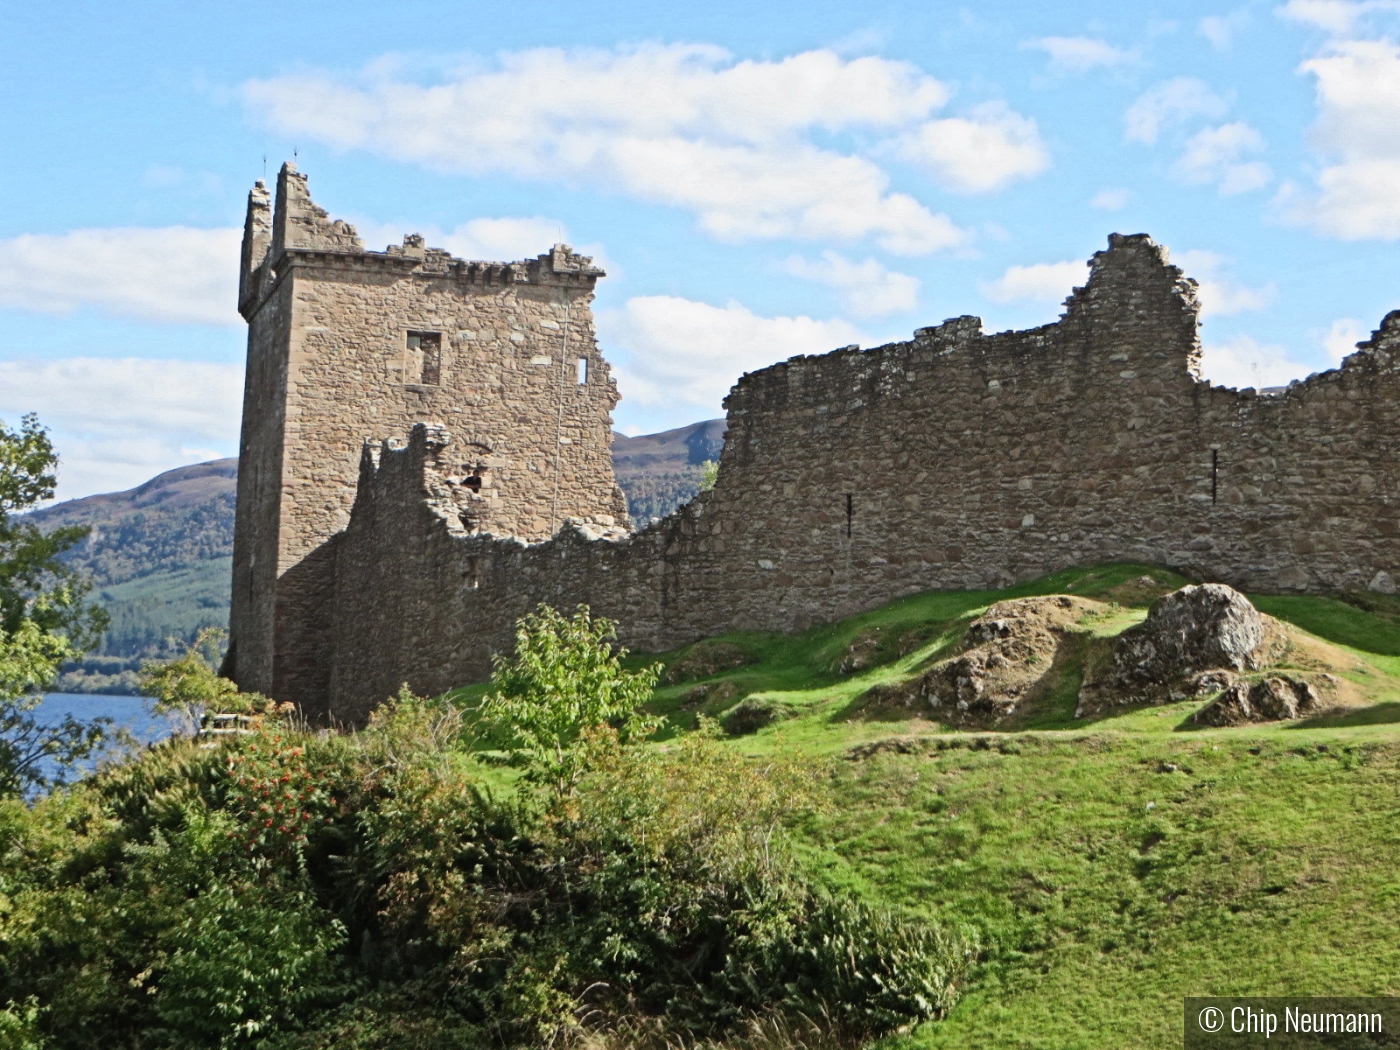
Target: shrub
<point>297,890</point>
<point>565,682</point>
<point>188,687</point>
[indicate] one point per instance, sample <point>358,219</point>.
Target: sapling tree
<point>564,695</point>
<point>45,619</point>
<point>188,687</point>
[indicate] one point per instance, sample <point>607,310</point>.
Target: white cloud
<point>1080,54</point>
<point>176,274</point>
<point>504,238</point>
<point>1337,17</point>
<point>1220,294</point>
<point>681,354</point>
<point>1333,16</point>
<point>867,288</point>
<point>1038,282</point>
<point>1244,361</point>
<point>118,421</point>
<point>1217,155</point>
<point>989,150</point>
<point>1167,104</point>
<point>1358,127</point>
<point>1110,199</point>
<point>1341,339</point>
<point>684,125</point>
<point>1220,30</point>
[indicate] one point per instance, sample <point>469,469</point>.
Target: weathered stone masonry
<point>956,459</point>
<point>953,460</point>
<point>347,345</point>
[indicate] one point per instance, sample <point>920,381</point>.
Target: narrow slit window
<point>582,370</point>
<point>425,350</point>
<point>850,512</point>
<point>1214,474</point>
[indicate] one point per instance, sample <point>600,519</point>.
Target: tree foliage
<point>564,694</point>
<point>709,474</point>
<point>188,687</point>
<point>290,890</point>
<point>45,618</point>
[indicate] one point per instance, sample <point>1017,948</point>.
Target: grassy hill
<point>161,554</point>
<point>1104,867</point>
<point>1111,866</point>
<point>160,558</point>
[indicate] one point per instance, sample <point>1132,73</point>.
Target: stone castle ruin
<point>347,346</point>
<point>425,458</point>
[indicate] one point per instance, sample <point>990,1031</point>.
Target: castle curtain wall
<point>954,460</point>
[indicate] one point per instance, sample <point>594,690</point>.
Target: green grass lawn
<point>1111,867</point>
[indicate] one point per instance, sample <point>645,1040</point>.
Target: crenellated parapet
<point>299,232</point>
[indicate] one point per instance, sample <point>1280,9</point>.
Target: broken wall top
<point>293,228</point>
<point>1134,299</point>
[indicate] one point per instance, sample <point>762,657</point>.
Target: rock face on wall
<point>347,345</point>
<point>956,459</point>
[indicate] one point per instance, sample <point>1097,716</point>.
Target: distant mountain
<point>177,518</point>
<point>659,472</point>
<point>161,555</point>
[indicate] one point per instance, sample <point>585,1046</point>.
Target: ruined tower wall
<point>953,460</point>
<point>257,513</point>
<point>347,345</point>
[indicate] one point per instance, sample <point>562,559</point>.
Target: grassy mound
<point>1113,865</point>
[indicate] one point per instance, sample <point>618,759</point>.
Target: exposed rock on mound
<point>1189,636</point>
<point>715,692</point>
<point>750,715</point>
<point>1271,699</point>
<point>1006,652</point>
<point>705,659</point>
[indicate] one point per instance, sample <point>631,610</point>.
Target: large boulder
<point>1189,637</point>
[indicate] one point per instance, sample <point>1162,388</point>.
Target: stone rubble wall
<point>953,460</point>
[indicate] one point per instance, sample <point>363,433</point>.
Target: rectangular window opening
<point>1214,474</point>
<point>425,351</point>
<point>850,512</point>
<point>582,370</point>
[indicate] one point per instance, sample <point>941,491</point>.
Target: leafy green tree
<point>45,619</point>
<point>188,687</point>
<point>564,695</point>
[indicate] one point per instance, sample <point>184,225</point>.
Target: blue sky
<point>759,180</point>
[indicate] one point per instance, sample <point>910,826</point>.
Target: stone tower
<point>347,346</point>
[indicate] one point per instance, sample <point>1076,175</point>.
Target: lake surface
<point>132,713</point>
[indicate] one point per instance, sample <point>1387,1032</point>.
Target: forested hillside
<point>661,471</point>
<point>160,555</point>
